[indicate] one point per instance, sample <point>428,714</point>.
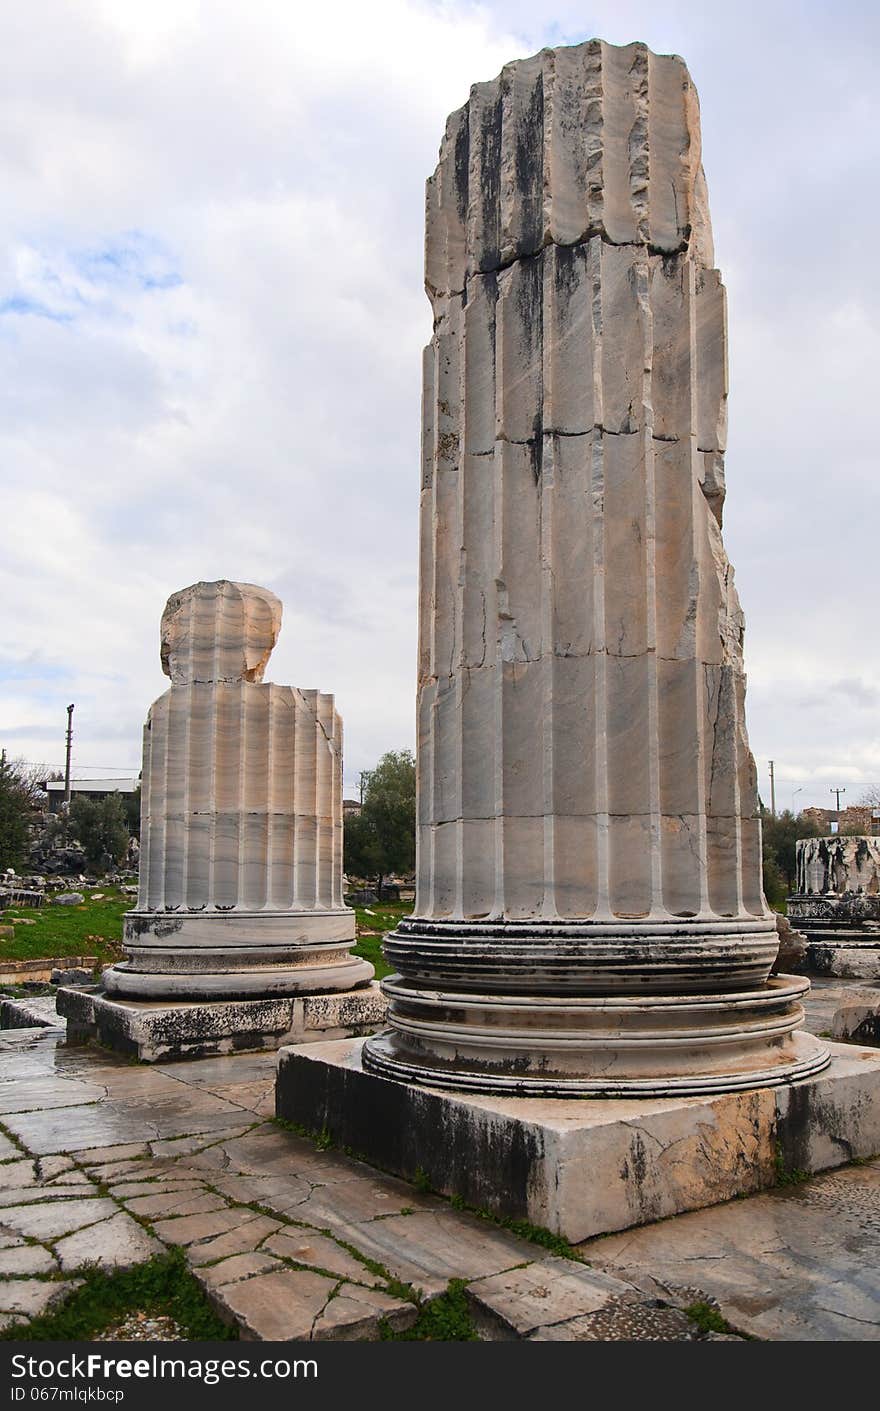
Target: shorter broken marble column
<point>837,905</point>
<point>241,837</point>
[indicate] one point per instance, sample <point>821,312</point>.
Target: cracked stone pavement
<point>105,1162</point>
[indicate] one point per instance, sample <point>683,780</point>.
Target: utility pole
<point>67,770</point>
<point>838,792</point>
<point>772,790</point>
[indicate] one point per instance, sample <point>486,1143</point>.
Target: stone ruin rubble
<point>837,905</point>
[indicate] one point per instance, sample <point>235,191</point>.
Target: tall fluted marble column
<point>240,890</point>
<point>589,914</point>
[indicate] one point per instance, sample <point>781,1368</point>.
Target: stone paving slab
<point>26,1259</point>
<point>186,1146</point>
<point>220,1072</point>
<point>117,1243</point>
<point>59,1130</point>
<point>19,1173</point>
<point>129,1190</point>
<point>268,1151</point>
<point>174,1203</point>
<point>356,1314</point>
<point>426,1250</point>
<point>36,1094</point>
<point>133,1172</point>
<point>792,1265</point>
<point>51,1219</point>
<point>363,1198</point>
<point>29,1297</point>
<point>41,1193</point>
<point>8,1150</point>
<point>281,1193</point>
<point>187,1229</point>
<point>269,1223</point>
<point>52,1166</point>
<point>245,1238</point>
<point>258,1098</point>
<point>307,1247</point>
<point>296,1305</point>
<point>236,1268</point>
<point>518,1303</point>
<point>109,1155</point>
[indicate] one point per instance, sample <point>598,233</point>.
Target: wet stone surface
<point>104,1162</point>
<point>801,1263</point>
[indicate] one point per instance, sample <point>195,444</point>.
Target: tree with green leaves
<point>780,853</point>
<point>16,805</point>
<point>101,829</point>
<point>131,803</point>
<point>381,839</point>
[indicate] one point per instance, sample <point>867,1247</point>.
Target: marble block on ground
<point>154,1032</point>
<point>35,1012</point>
<point>858,1018</point>
<point>844,956</point>
<point>583,1167</point>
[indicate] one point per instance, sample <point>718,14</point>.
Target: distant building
<point>855,819</point>
<point>351,807</point>
<point>92,788</point>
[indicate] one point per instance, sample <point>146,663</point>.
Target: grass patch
<point>163,1286</point>
<point>708,1318</point>
<point>786,1176</point>
<point>444,1319</point>
<point>373,924</point>
<point>370,948</point>
<point>535,1234</point>
<point>296,1128</point>
<point>92,928</point>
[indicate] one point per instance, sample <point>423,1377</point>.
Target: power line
<point>104,768</point>
<point>818,779</point>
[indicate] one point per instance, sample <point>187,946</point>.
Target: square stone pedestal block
<point>583,1167</point>
<point>195,1029</point>
<point>842,959</point>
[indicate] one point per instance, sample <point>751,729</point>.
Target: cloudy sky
<point>211,316</point>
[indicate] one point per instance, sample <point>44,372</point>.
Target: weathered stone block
<point>584,1167</point>
<point>154,1032</point>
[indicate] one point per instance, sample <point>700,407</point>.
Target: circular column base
<point>660,955</point>
<point>236,954</point>
<point>125,982</point>
<point>596,1046</point>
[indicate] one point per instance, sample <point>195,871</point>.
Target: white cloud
<point>211,318</point>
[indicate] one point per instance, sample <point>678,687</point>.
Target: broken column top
<point>219,632</point>
<point>838,864</point>
<point>593,139</point>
